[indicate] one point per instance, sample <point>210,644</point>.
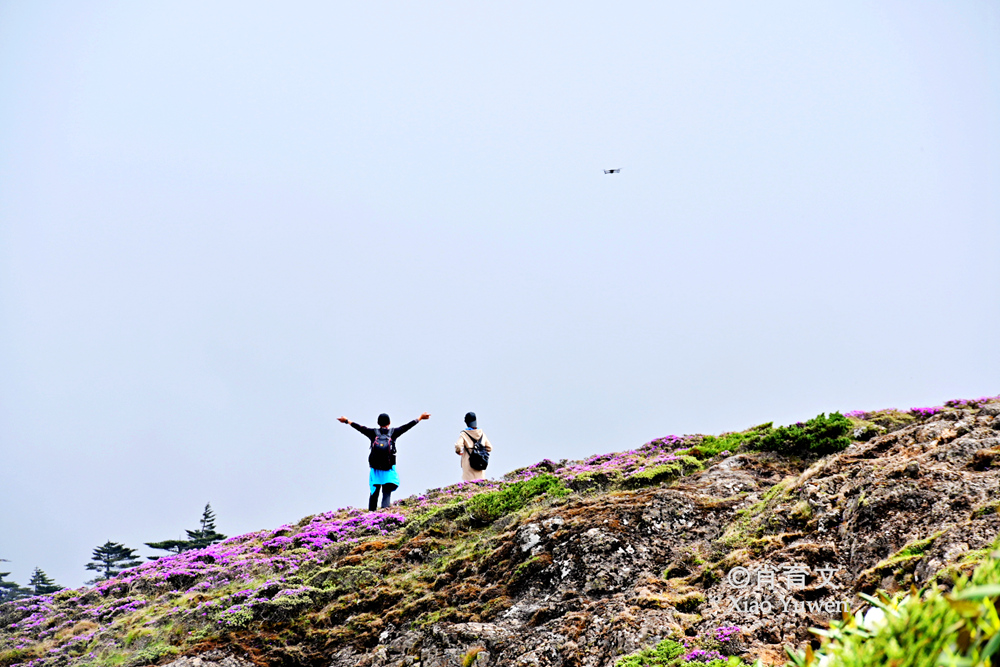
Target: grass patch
<point>903,560</point>
<point>987,509</point>
<point>488,507</point>
<point>750,523</point>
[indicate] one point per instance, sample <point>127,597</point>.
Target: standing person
<point>467,440</point>
<point>382,458</point>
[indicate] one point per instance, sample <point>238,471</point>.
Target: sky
<point>225,224</point>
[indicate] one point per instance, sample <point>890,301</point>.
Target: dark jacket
<point>393,434</point>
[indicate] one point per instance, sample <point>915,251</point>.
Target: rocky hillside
<point>683,551</point>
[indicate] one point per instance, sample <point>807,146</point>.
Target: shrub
<point>669,653</point>
<point>932,628</point>
<point>488,507</point>
<point>819,436</point>
<point>713,445</point>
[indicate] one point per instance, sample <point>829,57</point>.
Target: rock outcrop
<point>765,543</point>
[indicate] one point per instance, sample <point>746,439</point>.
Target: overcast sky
<point>225,224</point>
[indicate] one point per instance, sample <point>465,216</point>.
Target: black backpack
<point>479,458</point>
<point>383,454</point>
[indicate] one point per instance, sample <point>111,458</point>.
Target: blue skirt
<point>389,476</point>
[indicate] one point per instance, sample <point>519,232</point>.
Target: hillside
<point>570,563</point>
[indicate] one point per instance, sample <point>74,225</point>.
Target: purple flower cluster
<point>971,402</point>
<point>703,656</point>
<point>725,633</point>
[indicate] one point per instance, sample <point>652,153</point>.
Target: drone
<point>612,171</point>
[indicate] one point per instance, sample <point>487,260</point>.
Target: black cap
<point>470,420</point>
<point>383,419</point>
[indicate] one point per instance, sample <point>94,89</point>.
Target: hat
<point>470,420</point>
<point>383,419</point>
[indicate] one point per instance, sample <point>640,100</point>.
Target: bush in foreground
<point>932,628</point>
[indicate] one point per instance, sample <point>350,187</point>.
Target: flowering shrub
<point>699,655</point>
<point>280,576</point>
<point>971,402</point>
<point>670,653</point>
<point>726,633</point>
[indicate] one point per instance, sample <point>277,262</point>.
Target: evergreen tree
<point>173,546</point>
<point>41,584</point>
<point>10,590</point>
<point>204,536</point>
<point>110,559</point>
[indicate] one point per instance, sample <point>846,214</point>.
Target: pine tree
<point>41,584</point>
<point>10,590</point>
<point>205,535</point>
<point>173,546</point>
<point>110,559</point>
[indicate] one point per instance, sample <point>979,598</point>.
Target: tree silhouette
<point>200,538</point>
<point>110,559</point>
<point>41,584</point>
<point>205,535</point>
<point>10,590</point>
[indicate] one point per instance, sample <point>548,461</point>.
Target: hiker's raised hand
<point>343,420</point>
<point>425,415</point>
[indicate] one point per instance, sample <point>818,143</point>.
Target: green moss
<point>531,566</point>
<point>750,522</point>
<point>470,658</point>
<point>918,547</point>
<point>132,636</point>
<point>898,563</point>
<point>488,507</point>
<point>890,420</point>
<point>150,654</point>
<point>662,473</point>
<point>987,509</point>
<point>670,653</point>
<point>14,656</point>
<point>802,511</point>
<point>666,653</point>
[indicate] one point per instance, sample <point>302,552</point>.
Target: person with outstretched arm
<point>382,459</point>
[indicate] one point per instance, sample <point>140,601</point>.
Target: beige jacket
<point>463,446</point>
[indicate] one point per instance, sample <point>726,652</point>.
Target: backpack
<point>383,454</point>
<point>479,458</point>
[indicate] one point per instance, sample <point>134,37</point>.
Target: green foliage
<point>661,473</point>
<point>819,436</point>
<point>712,445</point>
<point>669,653</point>
<point>469,659</point>
<point>488,507</point>
<point>110,559</point>
<point>150,654</point>
<point>989,508</point>
<point>14,656</point>
<point>41,584</point>
<point>960,629</point>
